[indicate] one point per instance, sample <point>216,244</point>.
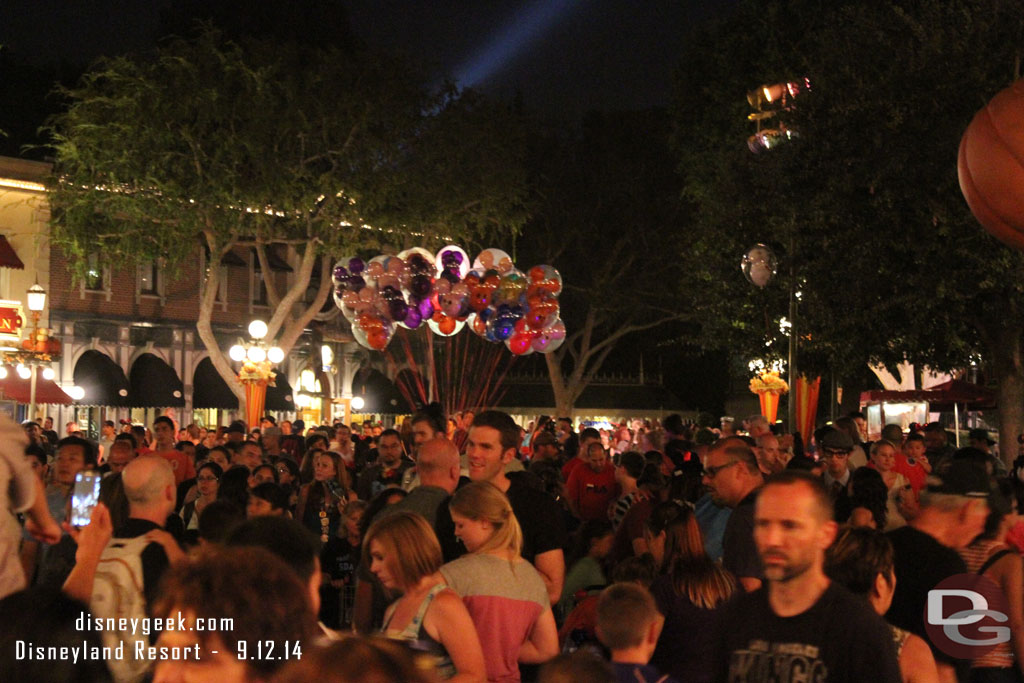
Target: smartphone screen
<point>84,497</point>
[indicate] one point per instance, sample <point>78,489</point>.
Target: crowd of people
<point>473,549</point>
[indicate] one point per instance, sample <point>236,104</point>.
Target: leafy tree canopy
<point>864,207</point>
<point>258,143</point>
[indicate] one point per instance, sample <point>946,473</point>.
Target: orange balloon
<point>377,339</point>
<point>446,324</point>
<point>990,169</point>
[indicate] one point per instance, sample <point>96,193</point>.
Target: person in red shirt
<point>912,462</point>
<point>587,437</point>
<point>164,433</point>
<point>592,488</point>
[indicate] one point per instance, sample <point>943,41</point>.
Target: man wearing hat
<point>953,512</point>
<point>546,448</point>
<point>979,438</point>
<point>236,432</point>
<point>835,447</point>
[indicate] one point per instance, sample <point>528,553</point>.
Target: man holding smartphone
<point>74,454</point>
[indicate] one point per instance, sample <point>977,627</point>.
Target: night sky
<point>563,57</point>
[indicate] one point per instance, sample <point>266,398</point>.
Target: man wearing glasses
<point>835,452</point>
<point>733,479</point>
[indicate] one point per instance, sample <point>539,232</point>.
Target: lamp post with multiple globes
<point>257,372</point>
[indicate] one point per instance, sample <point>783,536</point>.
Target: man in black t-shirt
<point>800,626</point>
<point>732,476</point>
<point>491,444</point>
<point>953,513</point>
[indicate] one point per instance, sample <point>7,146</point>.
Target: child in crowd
<point>628,623</point>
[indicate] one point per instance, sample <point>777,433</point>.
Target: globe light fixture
<point>3,372</point>
<point>257,329</point>
<point>275,354</point>
<point>237,352</point>
<point>358,403</point>
<point>76,393</point>
<point>49,374</point>
<point>23,371</point>
<point>257,354</point>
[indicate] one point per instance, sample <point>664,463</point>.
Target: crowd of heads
<point>276,528</point>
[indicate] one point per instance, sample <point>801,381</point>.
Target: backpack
<point>117,593</point>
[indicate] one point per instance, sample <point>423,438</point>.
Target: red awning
<point>9,259</point>
<point>15,388</point>
<point>941,397</point>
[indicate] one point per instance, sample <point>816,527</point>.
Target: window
<point>94,274</point>
<point>149,279</point>
<point>96,279</point>
<point>258,286</point>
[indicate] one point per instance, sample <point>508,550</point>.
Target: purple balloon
<point>356,283</point>
<point>420,286</point>
<point>426,309</point>
<point>397,309</point>
<point>413,319</point>
<point>356,265</point>
<point>340,273</point>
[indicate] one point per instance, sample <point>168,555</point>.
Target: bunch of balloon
<point>446,292</point>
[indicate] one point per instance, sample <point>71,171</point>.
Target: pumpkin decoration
<point>990,168</point>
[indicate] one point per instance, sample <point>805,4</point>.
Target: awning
<point>209,390</point>
<point>273,260</point>
<point>380,395</point>
<point>8,258</point>
<point>154,384</point>
<point>280,397</point>
<point>17,389</point>
<point>229,259</point>
<point>941,397</point>
<point>102,379</point>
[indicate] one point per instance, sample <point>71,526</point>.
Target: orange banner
<point>769,405</point>
<point>255,399</point>
<point>806,405</point>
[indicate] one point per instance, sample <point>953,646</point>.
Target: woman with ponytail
<point>505,595</point>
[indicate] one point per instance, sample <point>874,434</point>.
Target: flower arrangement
<point>768,382</point>
<point>255,372</point>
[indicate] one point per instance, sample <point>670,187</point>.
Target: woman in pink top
<point>505,595</point>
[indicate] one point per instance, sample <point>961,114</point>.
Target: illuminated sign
<point>11,322</point>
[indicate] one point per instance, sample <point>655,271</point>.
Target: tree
<point>228,146</point>
<point>607,216</point>
<point>891,265</point>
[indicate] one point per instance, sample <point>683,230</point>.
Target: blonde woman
<point>405,555</point>
<point>505,595</point>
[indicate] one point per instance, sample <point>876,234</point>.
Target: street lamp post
<point>257,369</point>
<point>36,297</point>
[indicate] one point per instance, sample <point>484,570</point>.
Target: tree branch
<point>296,327</point>
<point>273,298</point>
<point>295,292</point>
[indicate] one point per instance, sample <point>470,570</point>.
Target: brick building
<point>129,336</point>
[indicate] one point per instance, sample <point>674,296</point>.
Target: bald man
<point>141,542</point>
<point>148,482</point>
<point>438,468</point>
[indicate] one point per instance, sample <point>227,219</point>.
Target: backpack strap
<point>993,558</point>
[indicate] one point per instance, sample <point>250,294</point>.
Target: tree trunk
<point>1008,364</point>
<point>204,326</point>
<point>565,390</point>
